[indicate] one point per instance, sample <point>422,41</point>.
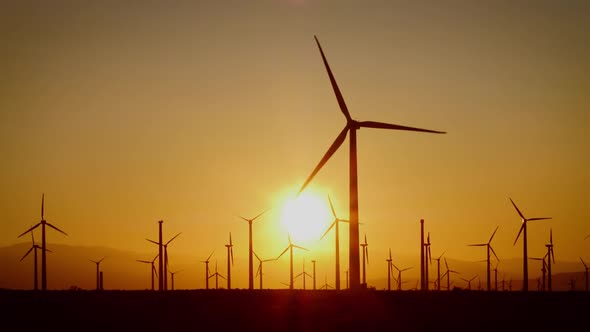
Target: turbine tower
<point>43,223</point>
<point>97,272</point>
<point>337,240</point>
<point>259,270</point>
<point>34,248</point>
<point>153,270</point>
<point>351,126</point>
<point>230,254</point>
<point>525,270</point>
<point>365,258</point>
<point>550,257</point>
<point>251,250</point>
<point>207,270</point>
<point>488,249</point>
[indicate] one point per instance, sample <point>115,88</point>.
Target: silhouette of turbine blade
<point>446,264</point>
<point>478,245</point>
<point>154,242</point>
<point>544,218</point>
<point>339,140</point>
<point>383,125</point>
<point>258,270</point>
<point>141,261</point>
<point>261,213</point>
<point>30,229</point>
<point>493,252</point>
<point>284,251</point>
<point>332,207</point>
<point>517,210</point>
<point>581,260</point>
<point>329,228</point>
<point>31,249</point>
<point>57,229</point>
<point>231,251</point>
<point>299,247</point>
<point>494,233</point>
<point>520,231</point>
<point>210,255</point>
<point>175,236</point>
<point>258,258</point>
<point>339,97</point>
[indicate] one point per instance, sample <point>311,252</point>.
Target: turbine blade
<point>141,261</point>
<point>258,258</point>
<point>258,270</point>
<point>544,218</point>
<point>332,207</point>
<point>439,257</point>
<point>390,255</point>
<point>284,251</point>
<point>552,255</point>
<point>367,250</point>
<point>231,251</point>
<point>210,255</point>
<point>382,125</point>
<point>580,260</point>
<point>42,206</point>
<point>152,241</point>
<point>175,236</point>
<point>493,252</point>
<point>261,213</point>
<point>477,245</point>
<point>517,210</point>
<point>299,247</point>
<point>155,271</point>
<point>153,260</point>
<point>57,229</point>
<point>326,157</point>
<point>550,236</point>
<point>494,233</point>
<point>446,264</point>
<point>31,249</point>
<point>33,237</point>
<point>329,228</point>
<point>101,259</point>
<point>520,231</point>
<point>230,243</point>
<point>28,230</point>
<point>339,97</point>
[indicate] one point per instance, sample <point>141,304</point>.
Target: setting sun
<point>305,217</point>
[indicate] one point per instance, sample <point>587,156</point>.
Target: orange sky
<point>124,114</point>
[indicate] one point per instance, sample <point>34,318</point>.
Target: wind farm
<point>221,122</point>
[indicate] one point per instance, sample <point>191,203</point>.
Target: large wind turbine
<point>525,270</point>
<point>34,247</point>
<point>97,272</point>
<point>165,246</point>
<point>337,240</point>
<point>351,126</point>
<point>438,270</point>
<point>43,222</point>
<point>290,248</point>
<point>250,250</point>
<point>365,260</point>
<point>230,254</point>
<point>259,270</point>
<point>153,268</point>
<point>488,248</point>
<point>207,270</point>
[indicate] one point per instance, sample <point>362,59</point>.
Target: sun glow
<point>305,218</point>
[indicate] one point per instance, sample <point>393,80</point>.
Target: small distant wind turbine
<point>165,246</point>
<point>352,126</point>
<point>488,249</point>
<point>326,286</point>
<point>43,222</point>
<point>207,270</point>
<point>337,241</point>
<point>251,250</point>
<point>469,281</point>
<point>152,263</point>
<point>216,275</point>
<point>259,270</point>
<point>230,255</point>
<point>399,276</point>
<point>543,269</point>
<point>290,248</point>
<point>365,258</point>
<point>585,272</point>
<point>438,270</point>
<point>97,272</point>
<point>550,257</point>
<point>525,270</point>
<point>496,276</point>
<point>389,270</point>
<point>448,274</point>
<point>303,274</point>
<point>34,248</point>
<point>427,260</point>
<point>172,277</point>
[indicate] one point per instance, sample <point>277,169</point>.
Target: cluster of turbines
<point>353,281</point>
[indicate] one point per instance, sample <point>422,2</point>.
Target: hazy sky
<point>194,112</point>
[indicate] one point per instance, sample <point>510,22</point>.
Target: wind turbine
<point>97,272</point>
<point>34,247</point>
<point>550,257</point>
<point>351,126</point>
<point>250,250</point>
<point>427,260</point>
<point>469,281</point>
<point>303,274</point>
<point>488,249</point>
<point>448,274</point>
<point>290,248</point>
<point>525,270</point>
<point>585,272</point>
<point>399,276</point>
<point>365,258</point>
<point>438,270</point>
<point>230,254</point>
<point>207,270</point>
<point>216,275</point>
<point>389,270</point>
<point>172,277</point>
<point>43,223</point>
<point>153,268</point>
<point>326,286</point>
<point>543,269</point>
<point>259,270</point>
<point>165,245</point>
<point>337,241</point>
<point>496,276</point>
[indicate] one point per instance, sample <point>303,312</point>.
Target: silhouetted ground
<point>283,310</point>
